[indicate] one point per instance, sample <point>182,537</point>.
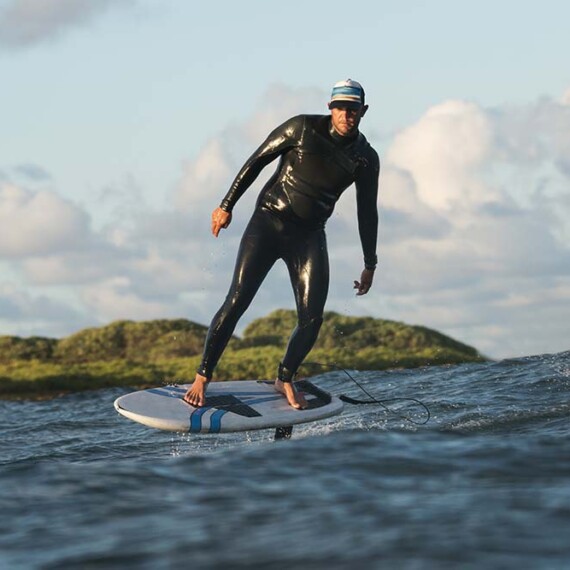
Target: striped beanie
<point>347,93</point>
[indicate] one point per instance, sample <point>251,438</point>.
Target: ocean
<point>484,484</point>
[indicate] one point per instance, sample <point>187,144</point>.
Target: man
<point>320,156</point>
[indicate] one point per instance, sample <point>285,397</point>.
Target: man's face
<point>345,120</point>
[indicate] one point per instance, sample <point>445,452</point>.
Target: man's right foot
<point>295,399</point>
<point>196,394</point>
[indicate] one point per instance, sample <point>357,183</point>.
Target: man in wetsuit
<point>320,156</point>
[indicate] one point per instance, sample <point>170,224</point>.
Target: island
<point>166,351</point>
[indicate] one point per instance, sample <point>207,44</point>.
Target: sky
<point>124,122</point>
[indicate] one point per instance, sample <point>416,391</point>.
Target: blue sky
<point>124,122</point>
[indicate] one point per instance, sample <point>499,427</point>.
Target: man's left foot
<point>294,398</point>
<point>196,394</point>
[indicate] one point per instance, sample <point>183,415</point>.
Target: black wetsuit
<point>316,166</point>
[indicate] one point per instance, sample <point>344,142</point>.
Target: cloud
<point>491,180</point>
<point>24,23</point>
<point>534,134</point>
<point>32,172</point>
<point>442,153</point>
<point>25,313</point>
<point>115,298</point>
<point>404,214</point>
<point>75,268</point>
<point>36,223</point>
<point>208,173</point>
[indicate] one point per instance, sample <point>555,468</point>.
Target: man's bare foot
<point>196,394</point>
<point>296,399</point>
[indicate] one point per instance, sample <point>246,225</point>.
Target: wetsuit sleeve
<point>367,208</point>
<point>278,142</point>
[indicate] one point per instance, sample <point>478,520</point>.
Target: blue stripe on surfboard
<point>216,421</point>
<point>196,419</point>
<point>216,417</point>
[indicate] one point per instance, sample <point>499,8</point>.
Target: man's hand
<point>220,219</point>
<point>365,282</point>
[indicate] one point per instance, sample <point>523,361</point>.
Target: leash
<point>383,403</point>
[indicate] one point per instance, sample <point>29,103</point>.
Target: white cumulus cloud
<point>493,181</point>
<point>442,153</point>
<point>37,223</point>
<point>204,177</point>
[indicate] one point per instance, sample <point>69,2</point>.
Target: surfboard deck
<point>240,405</point>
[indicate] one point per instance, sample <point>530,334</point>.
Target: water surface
<point>484,484</point>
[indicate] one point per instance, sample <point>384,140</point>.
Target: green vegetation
<point>140,354</point>
<point>139,342</point>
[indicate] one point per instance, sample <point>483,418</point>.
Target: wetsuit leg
<point>308,264</point>
<point>257,254</point>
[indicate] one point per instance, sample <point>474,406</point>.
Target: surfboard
<point>240,405</point>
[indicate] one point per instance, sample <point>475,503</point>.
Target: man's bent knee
<point>310,327</point>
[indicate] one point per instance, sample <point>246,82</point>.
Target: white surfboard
<point>241,405</point>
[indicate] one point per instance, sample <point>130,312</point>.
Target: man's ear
<point>364,109</point>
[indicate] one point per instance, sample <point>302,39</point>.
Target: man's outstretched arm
<point>278,142</point>
<point>366,201</point>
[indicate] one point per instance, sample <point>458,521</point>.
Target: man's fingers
<point>359,286</point>
<point>365,282</point>
<point>216,227</point>
<point>220,219</point>
<point>362,290</point>
<point>363,287</point>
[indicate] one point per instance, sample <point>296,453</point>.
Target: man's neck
<point>338,137</point>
